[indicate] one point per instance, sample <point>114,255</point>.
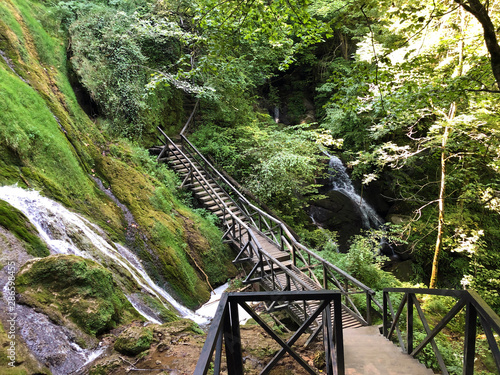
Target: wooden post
<point>384,313</point>
<point>368,308</point>
<point>282,244</point>
<point>339,336</point>
<point>218,354</point>
<point>409,322</point>
<point>233,340</point>
<point>325,277</point>
<point>470,339</point>
<point>328,340</point>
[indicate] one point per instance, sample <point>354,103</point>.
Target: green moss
<point>32,134</point>
<point>9,25</point>
<point>165,314</point>
<point>70,286</point>
<point>15,221</point>
<point>134,340</point>
<point>45,45</point>
<point>105,369</point>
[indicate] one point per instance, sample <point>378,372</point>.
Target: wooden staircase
<point>216,200</point>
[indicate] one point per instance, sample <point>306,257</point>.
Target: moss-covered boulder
<point>67,287</point>
<point>17,223</point>
<point>134,340</point>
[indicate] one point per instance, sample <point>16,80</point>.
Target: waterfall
<point>341,182</point>
<point>66,232</point>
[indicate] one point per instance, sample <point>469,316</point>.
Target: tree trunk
<point>442,190</point>
<point>479,11</point>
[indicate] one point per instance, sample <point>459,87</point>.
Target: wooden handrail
<point>235,218</point>
<point>283,227</point>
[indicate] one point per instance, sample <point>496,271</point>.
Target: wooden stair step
<point>275,267</point>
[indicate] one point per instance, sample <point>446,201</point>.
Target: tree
<point>480,11</point>
<point>442,189</point>
<point>392,103</point>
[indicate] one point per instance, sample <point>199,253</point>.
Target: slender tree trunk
<point>442,190</point>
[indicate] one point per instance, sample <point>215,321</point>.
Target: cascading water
<point>68,233</point>
<point>340,181</point>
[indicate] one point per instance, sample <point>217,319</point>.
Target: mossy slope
<point>20,226</point>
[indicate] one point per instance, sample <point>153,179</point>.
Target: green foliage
<point>14,221</point>
<point>451,353</point>
<point>278,164</point>
<point>109,62</point>
<point>391,103</point>
<point>364,262</point>
<point>66,285</point>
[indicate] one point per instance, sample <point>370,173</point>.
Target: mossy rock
<point>134,340</point>
<point>74,288</point>
<point>106,367</point>
<point>15,221</point>
<point>176,328</point>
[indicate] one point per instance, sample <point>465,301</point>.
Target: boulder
<point>337,212</point>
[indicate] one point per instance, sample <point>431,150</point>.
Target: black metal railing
<point>477,313</point>
<point>225,329</point>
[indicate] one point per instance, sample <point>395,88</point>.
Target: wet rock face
<point>51,344</point>
<point>42,347</point>
<point>339,213</point>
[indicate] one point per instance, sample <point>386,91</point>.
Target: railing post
<point>233,340</point>
<point>368,308</point>
<point>325,276</point>
<point>218,354</point>
<point>409,321</point>
<point>470,338</point>
<point>309,264</point>
<point>282,243</point>
<point>339,335</point>
<point>384,313</point>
